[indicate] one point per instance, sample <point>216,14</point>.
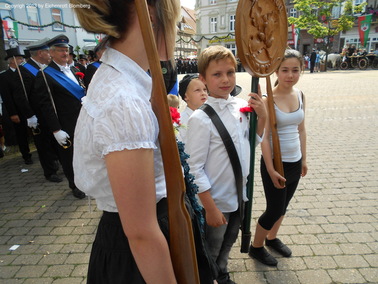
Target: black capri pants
<point>277,199</point>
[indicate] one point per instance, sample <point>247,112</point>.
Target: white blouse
<point>116,115</point>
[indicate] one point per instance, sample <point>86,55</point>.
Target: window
<point>212,2</point>
<point>213,25</point>
<point>56,15</point>
<point>293,12</point>
<point>5,10</point>
<point>358,2</point>
<point>232,47</point>
<point>232,23</point>
<point>32,14</point>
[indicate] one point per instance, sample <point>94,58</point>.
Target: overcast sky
<point>188,3</point>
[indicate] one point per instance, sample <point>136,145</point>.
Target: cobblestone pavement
<point>331,225</point>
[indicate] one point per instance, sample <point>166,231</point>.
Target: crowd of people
<point>41,95</point>
<point>96,119</point>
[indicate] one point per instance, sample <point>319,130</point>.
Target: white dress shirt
<point>209,162</point>
<point>67,71</point>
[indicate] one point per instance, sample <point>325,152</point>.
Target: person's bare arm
<point>131,175</point>
<point>214,217</point>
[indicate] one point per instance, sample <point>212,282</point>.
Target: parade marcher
<point>8,85</point>
<point>290,112</point>
<point>118,157</point>
<point>83,60</point>
<point>92,68</point>
<point>43,138</point>
<point>59,93</point>
<point>312,60</point>
<point>209,161</point>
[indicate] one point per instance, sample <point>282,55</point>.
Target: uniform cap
<point>60,41</point>
<point>39,45</point>
<point>13,52</point>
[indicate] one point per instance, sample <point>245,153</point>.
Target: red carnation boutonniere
<point>175,115</point>
<point>246,110</point>
<point>80,75</point>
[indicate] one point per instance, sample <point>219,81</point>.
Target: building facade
<point>216,25</point>
<point>21,18</point>
<point>186,46</point>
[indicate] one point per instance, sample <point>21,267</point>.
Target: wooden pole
<point>181,241</point>
<point>277,159</point>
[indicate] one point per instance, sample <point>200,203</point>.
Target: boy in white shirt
<point>194,92</point>
<point>209,162</point>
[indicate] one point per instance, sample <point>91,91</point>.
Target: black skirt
<point>111,260</point>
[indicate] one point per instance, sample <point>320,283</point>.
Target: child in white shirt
<point>209,161</point>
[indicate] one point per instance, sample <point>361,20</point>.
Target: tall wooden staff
<point>181,242</point>
<point>261,39</point>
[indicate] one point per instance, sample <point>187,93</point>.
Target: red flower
<point>246,109</point>
<point>175,115</point>
<point>80,74</point>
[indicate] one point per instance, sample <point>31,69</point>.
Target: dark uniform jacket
<point>89,72</point>
<point>66,104</point>
<point>7,90</point>
<point>28,105</point>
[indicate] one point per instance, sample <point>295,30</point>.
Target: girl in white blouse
<point>117,157</point>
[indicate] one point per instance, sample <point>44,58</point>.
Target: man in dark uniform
<point>312,60</point>
<point>59,95</point>
<point>7,88</point>
<point>43,138</point>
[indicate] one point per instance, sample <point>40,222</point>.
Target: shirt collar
<point>124,64</point>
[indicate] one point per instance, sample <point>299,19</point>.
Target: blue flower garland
<point>191,187</point>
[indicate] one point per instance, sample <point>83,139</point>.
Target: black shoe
<point>54,178</point>
<point>78,193</point>
<point>28,161</point>
<point>278,246</point>
<point>1,152</point>
<point>262,255</point>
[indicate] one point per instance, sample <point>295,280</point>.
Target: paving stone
<point>282,277</point>
<point>346,276</point>
<point>350,261</point>
<point>355,248</point>
<point>31,271</point>
<point>57,271</point>
<point>331,224</point>
<point>370,274</point>
<point>320,262</point>
<point>313,276</point>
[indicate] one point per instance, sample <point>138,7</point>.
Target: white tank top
<point>287,128</point>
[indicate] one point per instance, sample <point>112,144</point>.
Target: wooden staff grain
<point>181,243</point>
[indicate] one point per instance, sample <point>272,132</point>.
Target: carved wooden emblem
<point>261,35</point>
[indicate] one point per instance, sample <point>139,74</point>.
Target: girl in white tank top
<point>289,108</point>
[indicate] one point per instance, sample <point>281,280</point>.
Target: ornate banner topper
<point>261,35</point>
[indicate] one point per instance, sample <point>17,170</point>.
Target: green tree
<point>317,18</point>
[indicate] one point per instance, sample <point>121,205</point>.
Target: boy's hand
<point>215,218</point>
